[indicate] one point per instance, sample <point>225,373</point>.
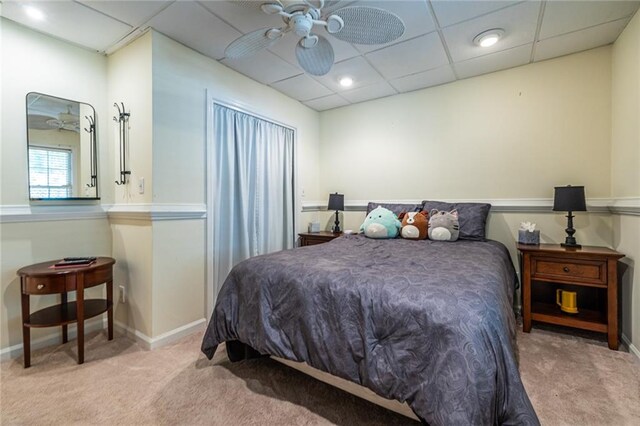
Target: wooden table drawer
<point>575,270</point>
<point>49,285</point>
<point>98,276</point>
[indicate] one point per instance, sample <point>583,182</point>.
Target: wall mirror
<point>62,149</point>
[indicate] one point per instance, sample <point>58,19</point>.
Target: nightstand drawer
<point>46,285</point>
<point>574,270</point>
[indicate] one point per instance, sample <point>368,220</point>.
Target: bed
<point>428,323</point>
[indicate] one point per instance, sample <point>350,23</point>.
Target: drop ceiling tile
<point>561,17</point>
<point>328,102</point>
<point>286,48</point>
<point>421,80</point>
<point>132,12</point>
<point>579,40</point>
<point>519,23</point>
<point>494,62</point>
<point>70,21</point>
<point>409,57</point>
<point>357,68</point>
<point>451,12</point>
<point>191,24</point>
<point>374,91</point>
<point>245,16</point>
<point>302,88</point>
<point>264,67</point>
<point>414,13</point>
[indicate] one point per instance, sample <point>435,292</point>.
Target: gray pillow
<point>472,217</point>
<point>396,208</point>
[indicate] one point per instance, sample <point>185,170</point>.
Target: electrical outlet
<point>123,297</point>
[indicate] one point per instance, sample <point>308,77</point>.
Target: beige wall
<point>32,62</point>
<point>182,78</point>
<point>510,134</point>
<point>625,168</point>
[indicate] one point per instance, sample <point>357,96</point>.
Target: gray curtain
<point>253,208</point>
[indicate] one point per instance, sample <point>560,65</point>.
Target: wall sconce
<point>336,202</point>
<point>92,151</point>
<point>123,122</point>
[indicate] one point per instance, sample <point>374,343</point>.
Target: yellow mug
<point>567,300</point>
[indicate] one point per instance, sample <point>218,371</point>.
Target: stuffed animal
<point>414,225</point>
<point>443,226</point>
<point>381,223</point>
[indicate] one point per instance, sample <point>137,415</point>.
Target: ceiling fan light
<point>346,82</point>
<point>488,38</point>
<point>334,24</point>
<point>271,8</point>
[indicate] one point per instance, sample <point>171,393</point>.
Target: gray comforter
<point>425,322</point>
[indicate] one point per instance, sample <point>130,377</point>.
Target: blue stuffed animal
<point>381,223</point>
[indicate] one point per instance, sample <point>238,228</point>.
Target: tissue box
<point>314,226</point>
<point>528,237</point>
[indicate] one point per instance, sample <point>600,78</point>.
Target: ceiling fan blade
<point>368,25</point>
<point>316,60</point>
<point>251,43</point>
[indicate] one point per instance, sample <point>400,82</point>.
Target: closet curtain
<point>253,207</point>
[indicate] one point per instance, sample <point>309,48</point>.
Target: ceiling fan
<point>353,24</point>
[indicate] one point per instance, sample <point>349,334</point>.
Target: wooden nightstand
<point>591,272</point>
<point>313,238</point>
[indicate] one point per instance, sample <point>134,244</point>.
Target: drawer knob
<point>566,269</point>
<point>40,286</point>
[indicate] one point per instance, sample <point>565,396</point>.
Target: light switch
<point>141,185</point>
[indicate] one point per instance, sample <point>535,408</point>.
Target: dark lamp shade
<point>336,202</point>
<point>569,199</point>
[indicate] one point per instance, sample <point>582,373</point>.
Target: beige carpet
<point>570,381</point>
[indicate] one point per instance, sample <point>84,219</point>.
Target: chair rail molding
<point>37,213</point>
<point>154,212</point>
<point>502,205</point>
<point>144,212</point>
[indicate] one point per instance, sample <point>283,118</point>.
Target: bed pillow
<point>396,208</point>
<point>472,217</point>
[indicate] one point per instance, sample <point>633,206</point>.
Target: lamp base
<point>336,228</point>
<point>575,246</point>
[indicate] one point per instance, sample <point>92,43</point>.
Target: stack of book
<point>69,262</point>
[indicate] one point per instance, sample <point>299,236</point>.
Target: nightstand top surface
<point>558,249</point>
<point>321,234</point>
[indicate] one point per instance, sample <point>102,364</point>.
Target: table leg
<point>612,304</point>
<point>63,300</point>
<point>26,331</point>
<point>110,309</point>
<point>526,294</point>
<point>80,313</point>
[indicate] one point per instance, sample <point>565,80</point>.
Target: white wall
<point>625,169</point>
<point>32,62</point>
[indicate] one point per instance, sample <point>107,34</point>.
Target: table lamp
<point>336,202</point>
<point>569,199</point>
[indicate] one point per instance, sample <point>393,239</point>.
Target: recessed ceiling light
<point>346,81</point>
<point>488,38</point>
<point>34,13</point>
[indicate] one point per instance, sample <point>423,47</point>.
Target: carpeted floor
<point>570,380</point>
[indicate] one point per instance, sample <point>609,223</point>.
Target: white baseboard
<point>148,343</point>
<point>630,345</point>
<point>54,338</point>
<point>151,343</point>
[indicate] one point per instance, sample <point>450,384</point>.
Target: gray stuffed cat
<point>443,226</point>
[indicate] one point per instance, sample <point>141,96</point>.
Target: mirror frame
<point>93,151</point>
